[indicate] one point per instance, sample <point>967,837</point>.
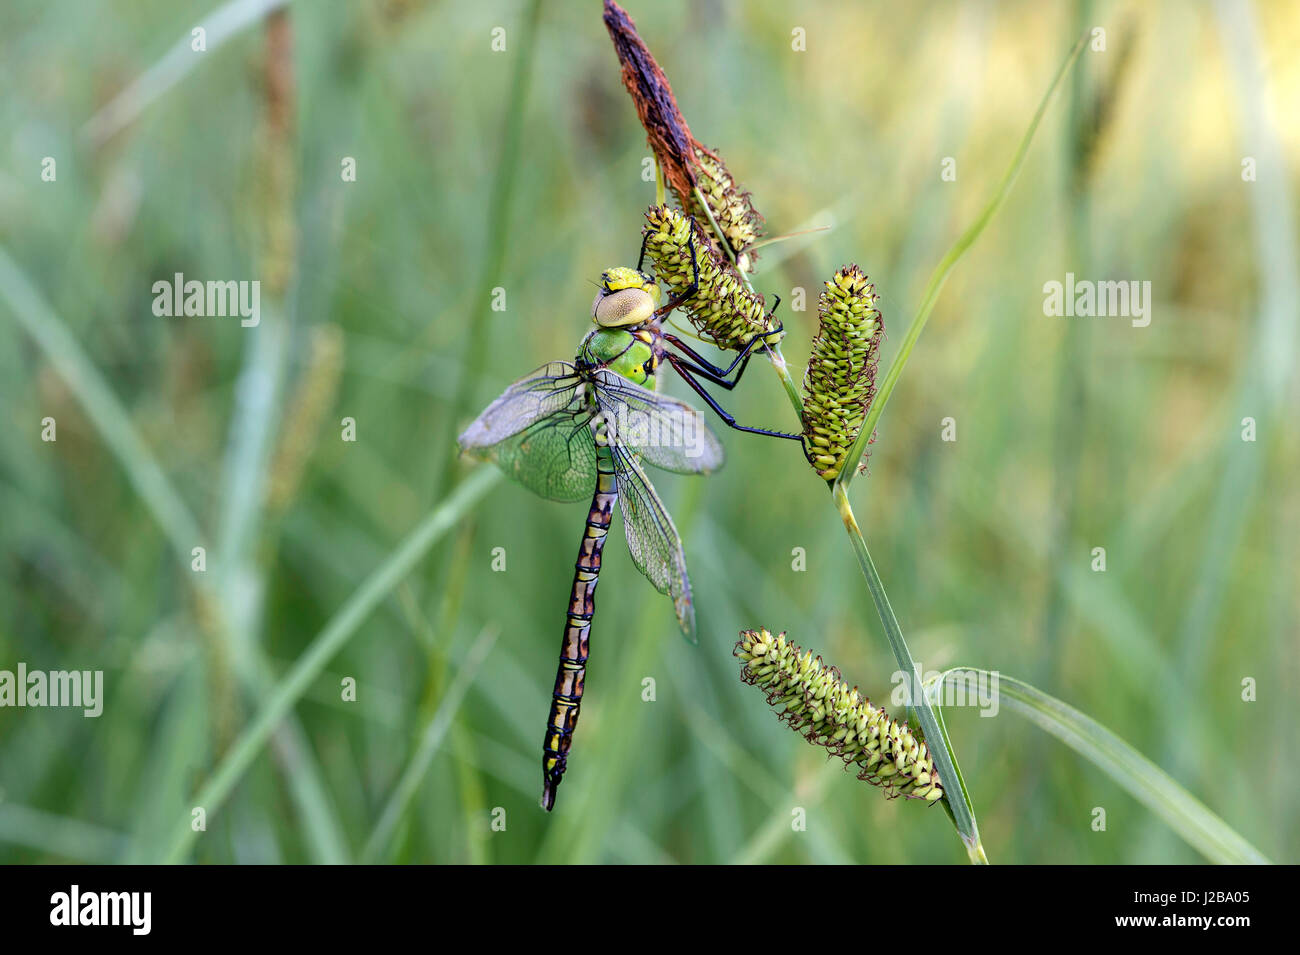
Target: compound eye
<point>629,306</point>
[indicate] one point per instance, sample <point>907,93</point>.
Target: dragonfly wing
<point>652,537</point>
<point>537,395</point>
<point>537,432</point>
<point>554,457</point>
<point>665,432</point>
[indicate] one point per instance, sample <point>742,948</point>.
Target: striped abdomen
<point>577,627</point>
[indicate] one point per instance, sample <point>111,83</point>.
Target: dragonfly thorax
<point>632,353</point>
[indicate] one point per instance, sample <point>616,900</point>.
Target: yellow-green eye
<point>627,306</point>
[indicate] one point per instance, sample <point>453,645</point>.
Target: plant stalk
<point>919,709</point>
<point>940,274</point>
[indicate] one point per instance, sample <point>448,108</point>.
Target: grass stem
<point>331,639</point>
<point>919,708</point>
<point>941,271</point>
<point>430,741</point>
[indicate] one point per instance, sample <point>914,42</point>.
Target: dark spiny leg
<point>775,306</point>
<point>779,326</point>
<point>708,373</point>
<point>717,374</point>
<point>640,259</point>
<point>688,372</point>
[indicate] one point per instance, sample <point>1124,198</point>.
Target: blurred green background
<point>521,169</point>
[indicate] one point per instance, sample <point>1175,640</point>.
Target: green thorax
<point>627,352</point>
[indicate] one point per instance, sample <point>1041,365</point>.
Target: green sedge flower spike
<point>811,697</point>
<point>730,204</point>
<point>840,382</point>
<point>723,310</point>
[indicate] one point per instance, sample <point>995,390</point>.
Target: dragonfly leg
<point>640,259</point>
<point>688,373</point>
<point>716,373</point>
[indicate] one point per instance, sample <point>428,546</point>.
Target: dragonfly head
<point>626,297</point>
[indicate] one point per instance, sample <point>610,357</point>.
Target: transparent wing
<point>538,434</point>
<point>665,432</point>
<point>652,538</point>
<point>554,457</point>
<point>541,393</point>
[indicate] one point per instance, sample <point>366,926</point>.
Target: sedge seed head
<point>840,382</point>
<point>723,310</point>
<point>811,697</point>
<point>730,203</point>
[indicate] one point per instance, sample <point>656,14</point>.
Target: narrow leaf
<point>1148,783</point>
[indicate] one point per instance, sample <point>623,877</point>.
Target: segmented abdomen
<point>567,698</point>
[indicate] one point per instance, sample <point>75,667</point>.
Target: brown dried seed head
<point>665,128</point>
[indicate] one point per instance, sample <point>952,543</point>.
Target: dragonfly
<point>569,431</point>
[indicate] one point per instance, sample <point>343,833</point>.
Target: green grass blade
<point>771,835</point>
<point>72,839</point>
<point>478,346</point>
<point>959,808</point>
<point>1262,387</point>
<point>326,841</point>
<point>224,22</point>
<point>941,271</point>
<point>1147,782</point>
<point>957,799</point>
<point>431,739</point>
<point>83,379</point>
<point>327,643</point>
<point>147,477</point>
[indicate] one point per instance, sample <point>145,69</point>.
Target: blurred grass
<point>965,533</point>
